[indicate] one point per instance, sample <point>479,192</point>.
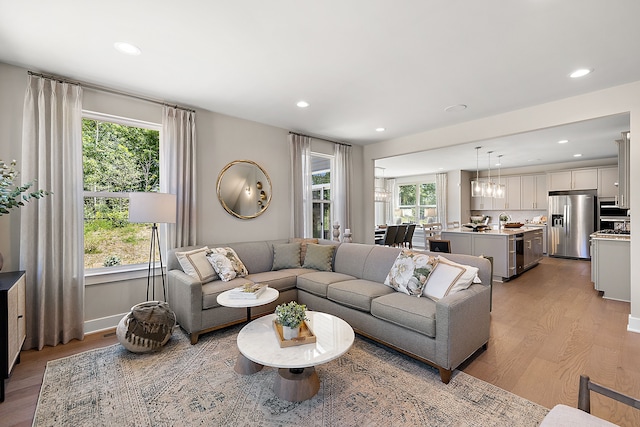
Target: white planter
<point>289,333</point>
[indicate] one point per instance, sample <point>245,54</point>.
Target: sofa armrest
<point>462,325</point>
<point>185,299</point>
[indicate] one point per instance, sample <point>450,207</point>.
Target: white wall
<point>616,100</point>
<point>220,140</point>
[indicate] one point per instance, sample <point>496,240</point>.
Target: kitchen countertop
<point>600,236</point>
<point>503,232</point>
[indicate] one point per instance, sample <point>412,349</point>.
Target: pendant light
<point>488,188</point>
<point>381,194</point>
<point>500,187</point>
<point>476,186</point>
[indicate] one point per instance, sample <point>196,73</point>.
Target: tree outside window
<point>117,159</point>
<point>417,203</point>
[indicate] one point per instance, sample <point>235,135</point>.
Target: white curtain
<point>341,183</point>
<point>441,198</point>
<point>51,229</point>
<point>179,160</point>
<point>390,185</point>
<point>300,151</point>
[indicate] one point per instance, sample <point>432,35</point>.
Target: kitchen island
<point>514,250</point>
<point>610,265</point>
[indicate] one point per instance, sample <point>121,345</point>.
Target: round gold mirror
<point>244,189</point>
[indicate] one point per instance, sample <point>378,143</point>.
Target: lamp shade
<point>152,207</point>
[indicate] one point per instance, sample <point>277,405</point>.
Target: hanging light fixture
<point>476,186</point>
<point>380,194</point>
<point>500,188</point>
<point>488,187</point>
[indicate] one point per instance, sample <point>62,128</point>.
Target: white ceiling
<point>361,64</point>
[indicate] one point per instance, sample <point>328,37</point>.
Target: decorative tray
<point>305,336</point>
<point>513,225</point>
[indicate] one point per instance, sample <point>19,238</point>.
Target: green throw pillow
<point>319,257</point>
<point>286,255</point>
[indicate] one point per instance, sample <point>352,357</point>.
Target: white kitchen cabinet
<point>511,199</point>
<point>608,182</point>
<point>533,191</point>
<point>611,272</point>
<point>578,179</point>
<point>623,171</point>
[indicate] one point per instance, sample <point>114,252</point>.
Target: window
<point>417,203</point>
<point>321,195</point>
<point>119,156</point>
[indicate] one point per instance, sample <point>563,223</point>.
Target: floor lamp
<point>155,208</point>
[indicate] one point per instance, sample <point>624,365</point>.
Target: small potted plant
<point>504,218</point>
<point>290,316</point>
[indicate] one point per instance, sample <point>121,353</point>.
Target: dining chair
<point>439,245</point>
<point>432,230</point>
<point>389,236</point>
<point>408,237</point>
<point>402,231</point>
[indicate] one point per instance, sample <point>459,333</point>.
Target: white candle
<point>347,231</point>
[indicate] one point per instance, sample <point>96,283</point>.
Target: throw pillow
<point>410,272</point>
<point>196,265</point>
<point>469,276</point>
<point>233,258</point>
<point>319,257</point>
<point>222,265</point>
<point>442,279</point>
<point>303,246</point>
<point>286,255</point>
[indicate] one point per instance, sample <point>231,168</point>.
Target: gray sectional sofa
<point>443,333</point>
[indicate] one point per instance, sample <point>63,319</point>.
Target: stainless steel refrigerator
<point>572,217</point>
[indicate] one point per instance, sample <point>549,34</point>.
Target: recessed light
<point>577,155</point>
<point>127,48</point>
<point>563,141</point>
<point>380,129</point>
<point>581,72</point>
<point>455,108</point>
<point>302,104</point>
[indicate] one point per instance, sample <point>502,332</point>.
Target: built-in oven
<point>612,217</point>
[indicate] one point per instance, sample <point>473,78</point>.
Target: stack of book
<point>248,291</point>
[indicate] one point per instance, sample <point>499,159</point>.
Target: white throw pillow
<point>410,272</point>
<point>449,277</point>
<point>222,265</point>
<point>196,264</point>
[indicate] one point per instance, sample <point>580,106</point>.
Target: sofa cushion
<point>319,257</point>
<point>316,283</point>
<point>196,264</point>
<point>356,293</point>
<point>416,314</point>
<point>211,290</point>
<point>286,255</point>
<point>410,272</point>
<point>280,279</point>
<point>303,245</point>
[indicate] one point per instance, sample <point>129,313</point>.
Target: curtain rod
<point>105,89</point>
<point>321,139</point>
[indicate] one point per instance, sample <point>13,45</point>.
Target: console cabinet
<point>12,322</point>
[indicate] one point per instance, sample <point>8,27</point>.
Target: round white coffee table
<point>297,379</point>
<point>269,295</point>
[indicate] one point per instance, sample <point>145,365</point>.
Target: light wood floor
<point>547,327</point>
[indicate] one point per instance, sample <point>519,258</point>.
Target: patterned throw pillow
<point>410,272</point>
<point>286,255</point>
<point>230,263</point>
<point>319,257</point>
<point>196,265</point>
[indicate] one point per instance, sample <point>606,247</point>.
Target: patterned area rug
<point>185,385</point>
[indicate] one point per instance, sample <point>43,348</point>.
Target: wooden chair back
<point>390,235</point>
<point>439,245</point>
<point>584,397</point>
<point>408,237</point>
<point>402,231</point>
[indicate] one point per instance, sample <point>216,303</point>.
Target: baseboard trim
<point>103,323</point>
<point>634,324</point>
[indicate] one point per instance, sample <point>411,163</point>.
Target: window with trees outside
<point>119,156</point>
<point>417,203</point>
<point>321,196</point>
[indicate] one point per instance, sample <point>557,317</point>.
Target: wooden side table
<point>12,322</point>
